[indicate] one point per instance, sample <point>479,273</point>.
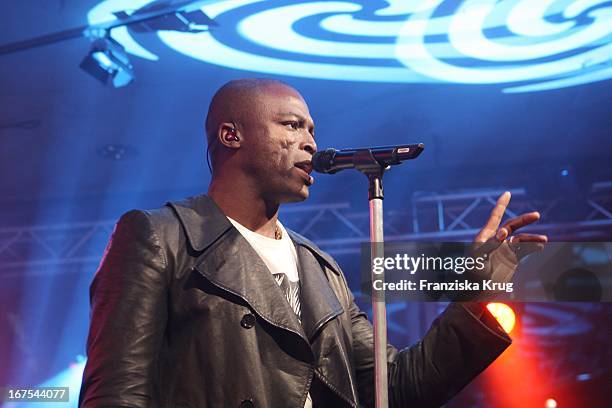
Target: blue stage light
<point>108,62</point>
<point>103,60</point>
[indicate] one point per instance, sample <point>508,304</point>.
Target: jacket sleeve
<point>456,348</point>
<point>128,318</point>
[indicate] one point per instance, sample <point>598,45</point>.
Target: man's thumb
<point>502,234</point>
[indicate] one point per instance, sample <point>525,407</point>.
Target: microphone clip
<point>366,163</point>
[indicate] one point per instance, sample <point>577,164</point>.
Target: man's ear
<point>228,135</point>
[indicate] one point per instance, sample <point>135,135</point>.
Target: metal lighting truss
<point>179,15</point>
<point>340,229</point>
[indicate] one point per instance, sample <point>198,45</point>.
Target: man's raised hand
<point>502,245</point>
<point>492,235</point>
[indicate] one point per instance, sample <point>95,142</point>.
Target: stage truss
<point>340,229</point>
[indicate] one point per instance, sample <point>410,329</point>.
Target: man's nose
<point>309,145</point>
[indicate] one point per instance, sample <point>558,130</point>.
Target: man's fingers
<point>498,211</point>
<point>490,228</point>
<point>501,234</point>
<point>520,221</point>
<point>528,238</point>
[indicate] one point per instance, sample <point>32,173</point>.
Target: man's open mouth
<point>305,165</point>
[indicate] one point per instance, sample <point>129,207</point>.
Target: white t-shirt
<point>280,257</point>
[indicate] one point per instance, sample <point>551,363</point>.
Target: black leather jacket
<point>185,314</point>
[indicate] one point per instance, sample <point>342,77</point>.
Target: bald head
<point>239,101</point>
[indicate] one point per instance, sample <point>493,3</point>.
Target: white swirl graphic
<point>526,45</point>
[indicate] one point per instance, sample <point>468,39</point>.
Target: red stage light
<point>504,314</point>
<point>550,403</point>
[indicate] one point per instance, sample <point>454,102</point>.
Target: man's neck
<point>245,207</point>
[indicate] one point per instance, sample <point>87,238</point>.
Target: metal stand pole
<point>365,162</point>
<point>379,309</point>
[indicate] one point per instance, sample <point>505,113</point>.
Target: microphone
<point>331,160</point>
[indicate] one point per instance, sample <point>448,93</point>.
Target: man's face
<point>279,143</point>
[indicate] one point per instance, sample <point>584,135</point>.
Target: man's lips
<point>305,165</point>
<point>306,168</point>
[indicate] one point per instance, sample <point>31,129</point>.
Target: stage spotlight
<point>550,403</point>
<point>504,314</point>
<point>108,62</point>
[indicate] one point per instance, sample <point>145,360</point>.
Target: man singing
<point>211,302</point>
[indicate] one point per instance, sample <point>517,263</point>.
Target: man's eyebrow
<point>297,115</point>
<point>300,118</point>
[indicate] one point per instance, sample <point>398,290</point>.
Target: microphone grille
<point>322,160</point>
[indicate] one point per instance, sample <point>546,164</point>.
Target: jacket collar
<point>202,220</point>
<point>204,223</point>
<point>222,260</point>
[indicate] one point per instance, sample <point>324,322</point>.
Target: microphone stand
<point>368,165</point>
<point>364,160</point>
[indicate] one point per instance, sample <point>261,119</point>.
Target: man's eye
<point>293,125</point>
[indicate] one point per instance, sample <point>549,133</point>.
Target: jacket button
<point>248,321</point>
<point>247,403</point>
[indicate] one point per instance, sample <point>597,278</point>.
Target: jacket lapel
<point>229,262</point>
<point>319,303</point>
<point>233,265</point>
